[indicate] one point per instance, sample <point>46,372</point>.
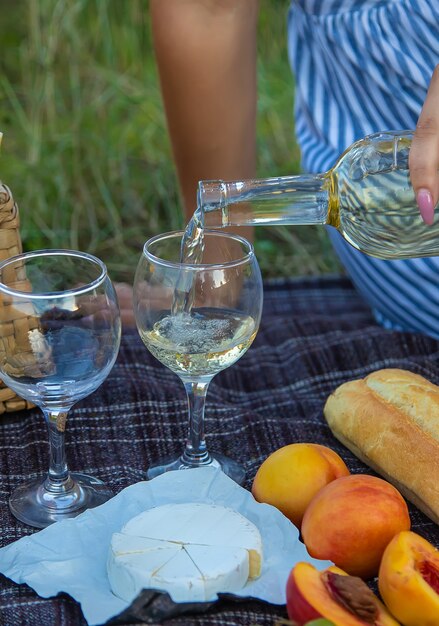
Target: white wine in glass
<point>198,319</point>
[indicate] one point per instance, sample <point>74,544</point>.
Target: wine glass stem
<point>58,478</point>
<point>196,452</point>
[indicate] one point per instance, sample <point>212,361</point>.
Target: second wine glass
<point>59,338</point>
<point>198,319</point>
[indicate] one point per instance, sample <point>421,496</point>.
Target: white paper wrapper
<point>70,556</point>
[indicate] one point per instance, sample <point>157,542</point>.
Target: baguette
<point>390,420</point>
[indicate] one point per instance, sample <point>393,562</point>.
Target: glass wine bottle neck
<point>270,201</point>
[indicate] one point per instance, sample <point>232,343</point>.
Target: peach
<point>332,594</point>
<point>351,521</point>
<point>291,476</point>
<point>408,580</point>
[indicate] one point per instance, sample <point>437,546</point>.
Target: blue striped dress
<point>363,66</point>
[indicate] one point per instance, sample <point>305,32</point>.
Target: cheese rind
<point>193,551</point>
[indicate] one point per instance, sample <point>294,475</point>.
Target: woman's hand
<point>424,153</point>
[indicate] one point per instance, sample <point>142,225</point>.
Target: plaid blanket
<point>315,334</point>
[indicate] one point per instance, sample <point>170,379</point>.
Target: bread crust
<point>390,420</point>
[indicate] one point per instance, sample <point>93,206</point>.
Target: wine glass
<point>59,338</point>
<point>198,319</point>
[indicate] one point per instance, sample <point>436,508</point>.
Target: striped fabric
<point>363,66</point>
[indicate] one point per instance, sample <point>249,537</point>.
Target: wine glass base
<point>231,468</point>
<point>33,504</point>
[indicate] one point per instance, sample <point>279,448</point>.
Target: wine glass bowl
<point>59,337</point>
<point>198,319</point>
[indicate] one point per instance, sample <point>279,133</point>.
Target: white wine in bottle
<point>367,196</point>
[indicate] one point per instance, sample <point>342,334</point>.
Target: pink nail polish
<point>425,204</point>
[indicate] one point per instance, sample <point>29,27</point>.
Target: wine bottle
<point>367,196</point>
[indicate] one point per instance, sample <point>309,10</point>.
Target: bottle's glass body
<point>367,196</point>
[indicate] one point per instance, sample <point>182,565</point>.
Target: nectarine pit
<point>430,574</point>
<point>353,594</point>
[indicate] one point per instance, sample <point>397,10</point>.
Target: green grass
<point>85,147</point>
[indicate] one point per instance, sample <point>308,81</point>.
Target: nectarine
<point>332,594</point>
<point>408,580</point>
<point>291,476</point>
<point>351,521</point>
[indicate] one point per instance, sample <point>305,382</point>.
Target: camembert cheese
<point>192,551</point>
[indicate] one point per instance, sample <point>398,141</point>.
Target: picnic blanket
<point>315,334</point>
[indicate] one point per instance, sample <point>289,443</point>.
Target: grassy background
<point>85,148</point>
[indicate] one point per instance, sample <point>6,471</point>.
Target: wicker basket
<point>15,326</point>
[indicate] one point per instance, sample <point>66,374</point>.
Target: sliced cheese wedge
<point>129,573</point>
<point>181,579</point>
<point>193,551</point>
<point>222,568</point>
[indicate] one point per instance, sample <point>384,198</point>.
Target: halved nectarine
<point>409,580</point>
<point>332,594</point>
